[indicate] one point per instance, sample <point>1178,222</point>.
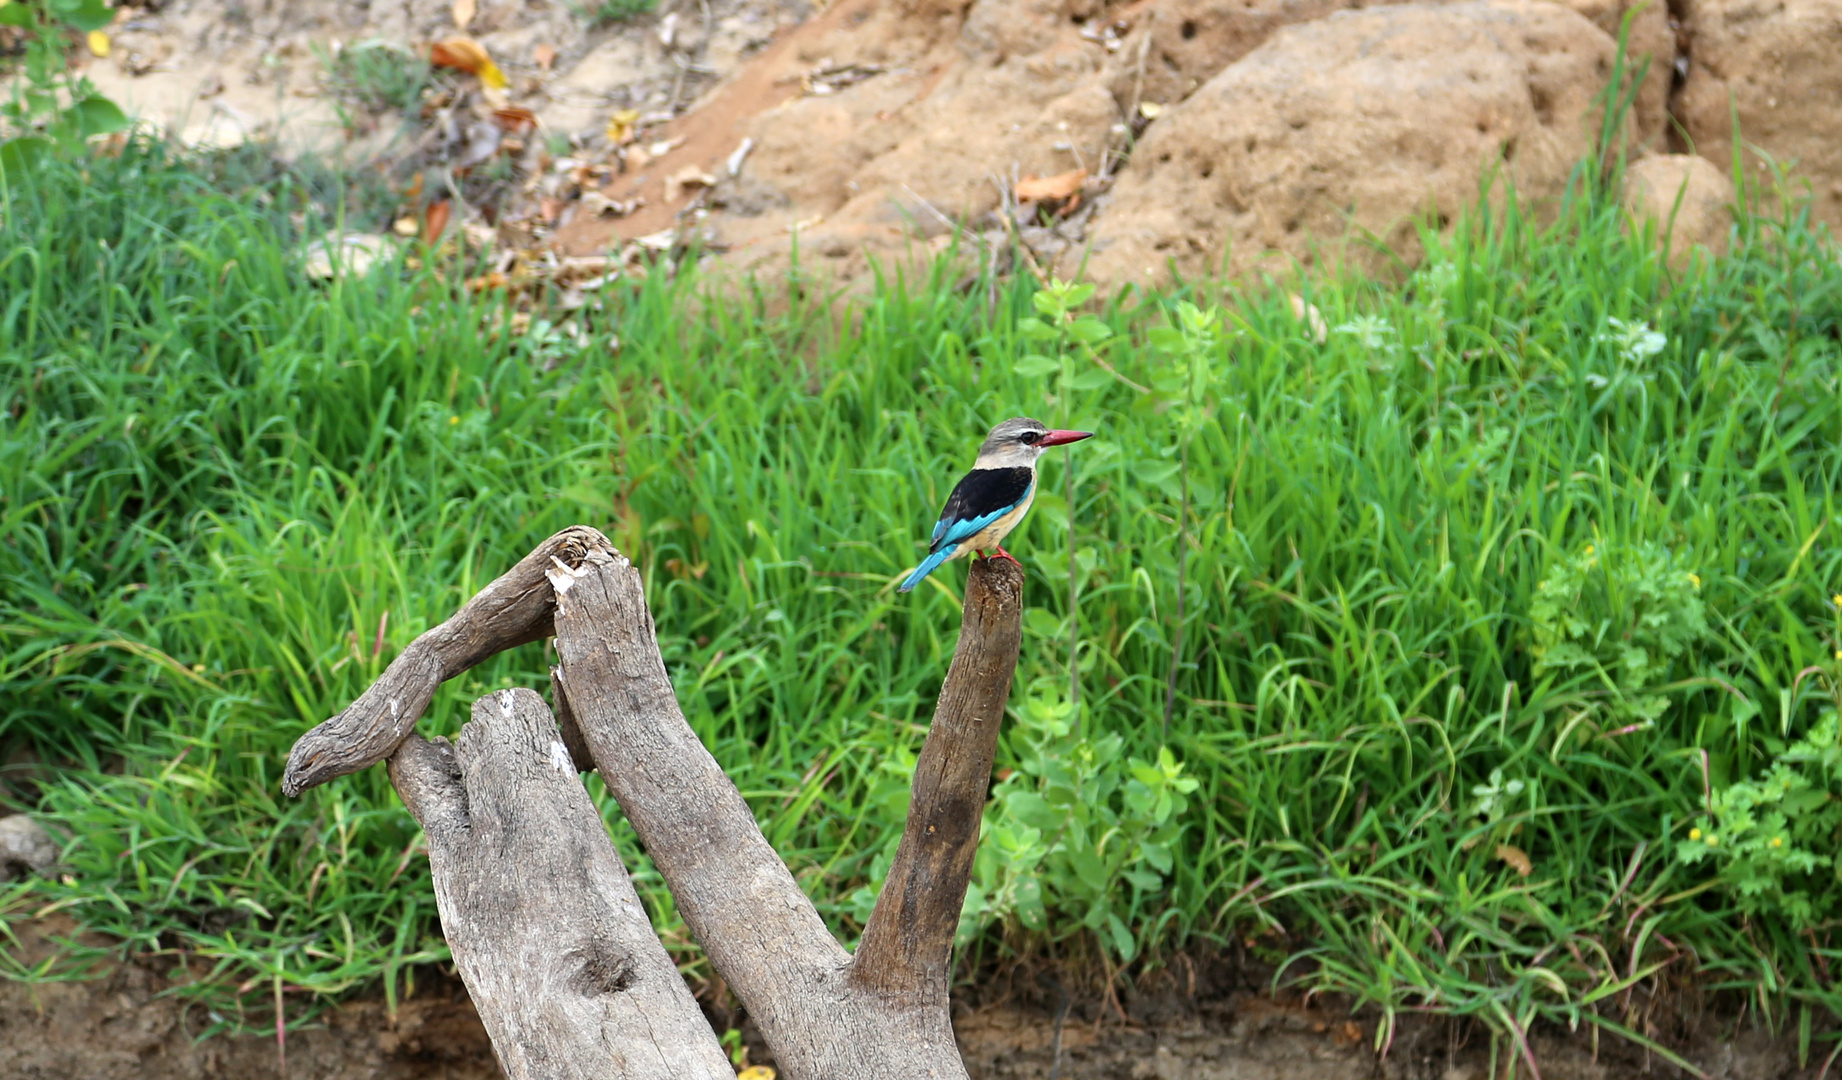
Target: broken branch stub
<point>556,950</point>
<point>907,947</point>
<point>515,609</point>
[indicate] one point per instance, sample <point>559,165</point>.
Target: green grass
<point>221,487</point>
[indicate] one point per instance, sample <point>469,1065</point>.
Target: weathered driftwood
<point>514,610</point>
<point>826,1014</point>
<point>543,922</point>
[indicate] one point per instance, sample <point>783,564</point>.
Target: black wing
<point>982,497</point>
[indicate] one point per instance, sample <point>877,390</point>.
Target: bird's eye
<point>1030,438</point>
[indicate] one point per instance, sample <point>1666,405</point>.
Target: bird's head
<point>1020,441</point>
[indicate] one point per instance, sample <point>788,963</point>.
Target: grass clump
<point>1346,682</point>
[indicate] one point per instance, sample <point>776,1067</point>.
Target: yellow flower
<point>1694,834</point>
<point>1777,841</point>
<point>1839,654</point>
<point>1695,580</point>
<point>1589,549</point>
<point>1713,841</point>
<point>98,43</point>
<point>1836,599</point>
<point>453,419</point>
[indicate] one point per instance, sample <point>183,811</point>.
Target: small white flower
<point>1370,331</point>
<point>1635,342</point>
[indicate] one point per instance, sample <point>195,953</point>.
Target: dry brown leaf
<point>545,56</point>
<point>515,119</point>
<point>688,177</point>
<point>463,13</point>
<point>1033,188</point>
<point>1517,858</point>
<point>468,55</point>
<point>435,221</point>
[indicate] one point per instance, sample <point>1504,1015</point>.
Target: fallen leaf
<point>436,221</point>
<point>406,226</point>
<point>756,1072</point>
<point>1032,188</point>
<point>515,119</point>
<point>463,13</point>
<point>688,177</point>
<point>1150,110</point>
<point>468,55</point>
<point>1517,858</point>
<point>620,126</point>
<point>548,209</point>
<point>544,55</point>
<point>99,43</point>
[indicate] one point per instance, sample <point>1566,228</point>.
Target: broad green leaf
<point>17,156</point>
<point>97,115</point>
<point>1036,366</point>
<point>84,15</point>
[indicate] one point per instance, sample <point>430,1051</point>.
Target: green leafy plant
<point>1773,838</point>
<point>1078,832</point>
<point>1620,616</point>
<point>50,109</point>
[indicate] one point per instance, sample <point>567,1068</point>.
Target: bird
<point>991,499</point>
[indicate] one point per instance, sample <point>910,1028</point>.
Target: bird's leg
<point>1003,554</point>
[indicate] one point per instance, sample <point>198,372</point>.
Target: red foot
<point>1003,554</point>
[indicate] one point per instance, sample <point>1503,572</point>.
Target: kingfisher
<point>991,499</point>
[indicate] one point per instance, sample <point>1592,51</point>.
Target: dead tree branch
<point>514,610</point>
<point>550,938</point>
<point>825,1014</point>
<point>907,946</point>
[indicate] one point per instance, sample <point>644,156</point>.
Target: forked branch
<point>824,1013</point>
<point>515,609</point>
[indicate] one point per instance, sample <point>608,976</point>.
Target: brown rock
<point>1651,42</point>
<point>1689,199</point>
<point>1777,61</point>
<point>1362,119</point>
<point>1185,43</point>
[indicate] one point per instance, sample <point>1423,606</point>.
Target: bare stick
<point>514,610</point>
<point>553,944</point>
<point>907,946</point>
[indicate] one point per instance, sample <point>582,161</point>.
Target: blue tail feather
<point>928,566</point>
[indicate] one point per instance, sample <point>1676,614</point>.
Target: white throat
<point>1016,456</point>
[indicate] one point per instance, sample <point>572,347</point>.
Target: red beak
<point>1057,438</point>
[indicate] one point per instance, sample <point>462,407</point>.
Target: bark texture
<point>553,944</point>
<point>514,610</point>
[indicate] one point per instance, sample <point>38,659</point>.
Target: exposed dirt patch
<point>1215,1023</point>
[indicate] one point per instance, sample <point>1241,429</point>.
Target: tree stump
<point>540,915</point>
